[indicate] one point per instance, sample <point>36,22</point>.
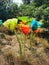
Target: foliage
<point>27,10</point>
<point>12,11</point>
<point>8,9</point>
<point>38,9</point>
<point>26,1</point>
<point>41,2</point>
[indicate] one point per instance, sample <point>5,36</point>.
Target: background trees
<point>38,9</point>
<point>26,1</point>
<point>8,9</point>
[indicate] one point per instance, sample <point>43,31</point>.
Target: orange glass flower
<point>25,29</point>
<point>37,31</point>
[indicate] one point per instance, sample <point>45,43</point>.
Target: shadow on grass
<point>44,35</point>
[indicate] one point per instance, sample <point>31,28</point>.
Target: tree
<point>3,6</point>
<point>38,2</point>
<point>12,10</point>
<point>8,9</point>
<point>41,2</point>
<point>26,1</point>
